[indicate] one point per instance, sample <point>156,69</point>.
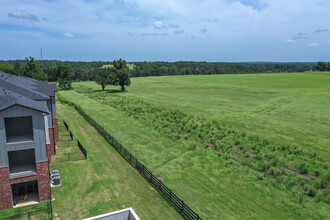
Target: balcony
<point>19,129</point>
<point>22,163</point>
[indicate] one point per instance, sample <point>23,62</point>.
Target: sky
<point>167,30</point>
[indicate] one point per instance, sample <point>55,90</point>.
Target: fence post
<point>29,215</point>
<point>51,209</point>
<point>171,195</point>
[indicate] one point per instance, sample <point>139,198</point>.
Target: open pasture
<point>233,146</point>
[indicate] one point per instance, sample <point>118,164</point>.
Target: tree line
<point>322,66</point>
<point>67,71</point>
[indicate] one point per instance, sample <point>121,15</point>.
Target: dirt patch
<point>306,176</point>
<point>163,176</point>
<point>212,146</point>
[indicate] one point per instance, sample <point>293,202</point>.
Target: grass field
<point>39,211</point>
<point>232,146</point>
<point>103,183</point>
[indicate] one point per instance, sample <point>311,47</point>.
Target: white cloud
<point>315,44</point>
<point>158,25</point>
<point>230,24</point>
<point>68,35</point>
<point>290,41</point>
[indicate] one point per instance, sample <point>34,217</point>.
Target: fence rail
<point>81,148</point>
<point>184,209</point>
<point>65,125</point>
<point>41,214</point>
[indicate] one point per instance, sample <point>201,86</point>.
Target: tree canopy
<point>117,75</point>
<point>122,74</point>
<point>64,73</point>
<point>33,69</point>
<point>321,66</point>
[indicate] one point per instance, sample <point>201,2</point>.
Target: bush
<point>275,171</point>
<point>311,191</point>
<point>64,84</point>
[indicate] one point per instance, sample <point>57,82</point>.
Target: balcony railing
<point>22,170</point>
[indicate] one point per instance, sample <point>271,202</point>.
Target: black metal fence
<point>65,125</point>
<point>184,209</point>
<point>42,214</point>
<point>81,148</point>
<point>67,157</point>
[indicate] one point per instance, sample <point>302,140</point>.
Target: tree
<point>329,66</point>
<point>104,76</point>
<point>122,74</point>
<point>52,73</point>
<point>18,70</point>
<point>321,66</point>
<point>7,68</point>
<point>33,70</point>
<point>64,73</point>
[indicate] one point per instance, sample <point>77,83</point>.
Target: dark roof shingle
<point>31,93</point>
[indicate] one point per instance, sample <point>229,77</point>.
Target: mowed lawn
<point>103,183</point>
<point>285,108</point>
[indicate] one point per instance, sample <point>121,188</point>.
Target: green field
<point>232,146</point>
<point>103,183</point>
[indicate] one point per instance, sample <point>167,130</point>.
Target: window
<point>19,129</point>
<point>22,163</point>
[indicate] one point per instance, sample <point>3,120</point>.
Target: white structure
<point>124,214</point>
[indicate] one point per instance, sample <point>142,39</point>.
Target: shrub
<point>275,171</point>
<point>311,191</point>
<point>260,177</point>
<point>302,167</point>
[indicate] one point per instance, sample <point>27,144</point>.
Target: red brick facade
<point>51,146</point>
<point>43,181</point>
<point>6,201</point>
<point>23,179</point>
<point>42,177</point>
<point>55,125</point>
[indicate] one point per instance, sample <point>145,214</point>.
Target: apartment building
<point>28,135</point>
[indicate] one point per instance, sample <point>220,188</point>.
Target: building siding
<point>53,106</point>
<point>39,142</point>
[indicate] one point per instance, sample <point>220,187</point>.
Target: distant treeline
<point>82,71</point>
<point>206,68</point>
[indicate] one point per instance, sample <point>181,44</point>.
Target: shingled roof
<point>24,91</point>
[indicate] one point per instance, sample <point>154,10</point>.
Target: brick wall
<point>23,179</point>
<point>51,146</point>
<point>43,181</point>
<point>55,124</point>
<point>6,201</point>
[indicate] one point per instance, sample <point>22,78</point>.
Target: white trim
<point>130,210</point>
<point>46,129</point>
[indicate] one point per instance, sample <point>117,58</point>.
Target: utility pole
<point>41,53</point>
